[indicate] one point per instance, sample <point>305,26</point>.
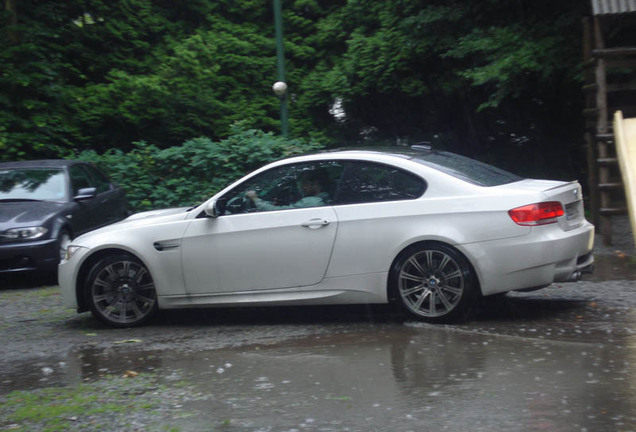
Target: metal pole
<point>280,60</point>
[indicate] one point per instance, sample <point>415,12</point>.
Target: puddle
<point>615,266</point>
<point>389,377</point>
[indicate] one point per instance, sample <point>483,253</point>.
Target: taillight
<point>537,214</point>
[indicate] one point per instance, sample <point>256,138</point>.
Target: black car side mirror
<point>85,194</point>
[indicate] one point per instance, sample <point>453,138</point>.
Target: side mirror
<point>85,194</point>
<point>213,209</point>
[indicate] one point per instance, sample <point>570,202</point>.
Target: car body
<point>46,203</point>
<point>428,230</point>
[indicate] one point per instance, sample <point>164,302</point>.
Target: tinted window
<point>466,169</point>
<point>286,187</point>
<point>32,184</point>
<point>370,182</point>
<point>79,179</point>
<point>99,180</point>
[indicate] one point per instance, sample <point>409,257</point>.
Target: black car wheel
<point>433,282</point>
<point>121,292</point>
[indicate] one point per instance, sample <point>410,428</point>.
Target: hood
<point>157,213</point>
<point>154,217</point>
<point>28,213</point>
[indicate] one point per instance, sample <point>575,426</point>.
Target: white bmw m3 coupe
<point>426,230</point>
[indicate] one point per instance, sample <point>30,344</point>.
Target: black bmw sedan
<point>44,204</point>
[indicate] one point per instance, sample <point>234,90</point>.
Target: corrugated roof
<point>606,7</point>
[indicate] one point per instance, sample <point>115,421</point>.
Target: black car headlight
<point>27,233</point>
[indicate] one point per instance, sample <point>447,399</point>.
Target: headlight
<point>70,251</point>
<point>28,233</point>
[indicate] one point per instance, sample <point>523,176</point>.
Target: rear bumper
<point>29,256</point>
<point>546,255</point>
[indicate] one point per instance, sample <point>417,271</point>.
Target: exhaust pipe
<point>574,277</point>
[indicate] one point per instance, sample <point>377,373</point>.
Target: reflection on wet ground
<point>615,266</point>
<point>392,376</point>
<point>526,365</point>
<point>559,359</point>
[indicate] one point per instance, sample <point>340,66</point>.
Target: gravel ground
<point>622,238</point>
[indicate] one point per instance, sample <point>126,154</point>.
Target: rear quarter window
<point>469,170</point>
<point>367,182</point>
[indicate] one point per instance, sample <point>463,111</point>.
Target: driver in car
<point>313,184</point>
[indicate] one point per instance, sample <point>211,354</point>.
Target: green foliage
<point>512,57</point>
<point>192,172</point>
<point>104,404</point>
<point>199,85</point>
<point>33,98</point>
<point>480,77</point>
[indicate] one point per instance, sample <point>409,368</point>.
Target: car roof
<point>457,166</point>
<point>42,163</point>
<point>402,152</point>
<point>418,153</point>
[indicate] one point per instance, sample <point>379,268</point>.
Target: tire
<point>120,291</point>
<point>433,282</point>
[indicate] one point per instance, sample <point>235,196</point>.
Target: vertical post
<point>590,89</point>
<point>280,61</point>
<point>602,128</point>
<point>12,9</point>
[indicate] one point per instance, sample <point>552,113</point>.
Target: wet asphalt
<point>558,359</point>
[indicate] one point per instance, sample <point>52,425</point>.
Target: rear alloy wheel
<point>433,282</point>
<point>121,292</point>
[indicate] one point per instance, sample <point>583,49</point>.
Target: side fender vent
<point>165,245</point>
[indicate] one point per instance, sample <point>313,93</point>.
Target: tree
<point>486,78</point>
<point>33,99</point>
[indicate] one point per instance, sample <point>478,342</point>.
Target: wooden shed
<point>609,50</point>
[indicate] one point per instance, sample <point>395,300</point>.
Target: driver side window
<point>282,188</point>
<point>79,178</point>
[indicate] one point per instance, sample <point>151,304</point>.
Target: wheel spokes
<point>431,283</point>
<point>426,294</point>
<point>457,274</point>
<point>411,277</point>
<point>413,290</point>
<point>124,292</point>
<point>417,266</point>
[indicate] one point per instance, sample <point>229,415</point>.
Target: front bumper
<point>67,273</point>
<point>29,256</point>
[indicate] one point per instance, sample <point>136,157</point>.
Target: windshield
<point>469,170</point>
<point>41,184</point>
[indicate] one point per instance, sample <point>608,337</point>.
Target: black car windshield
<point>41,184</point>
<point>469,170</point>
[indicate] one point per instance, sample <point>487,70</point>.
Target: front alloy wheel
<point>433,282</point>
<point>121,292</point>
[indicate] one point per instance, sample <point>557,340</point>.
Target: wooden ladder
<point>607,89</point>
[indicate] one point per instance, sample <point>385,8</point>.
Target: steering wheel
<point>240,204</point>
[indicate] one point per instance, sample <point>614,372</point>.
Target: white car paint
<point>258,251</point>
<point>341,253</point>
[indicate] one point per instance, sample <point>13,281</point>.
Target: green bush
<point>189,174</point>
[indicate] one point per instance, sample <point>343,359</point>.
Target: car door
<point>246,248</point>
<point>85,213</point>
<point>110,203</point>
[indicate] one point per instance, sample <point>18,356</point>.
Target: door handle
<point>315,223</point>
